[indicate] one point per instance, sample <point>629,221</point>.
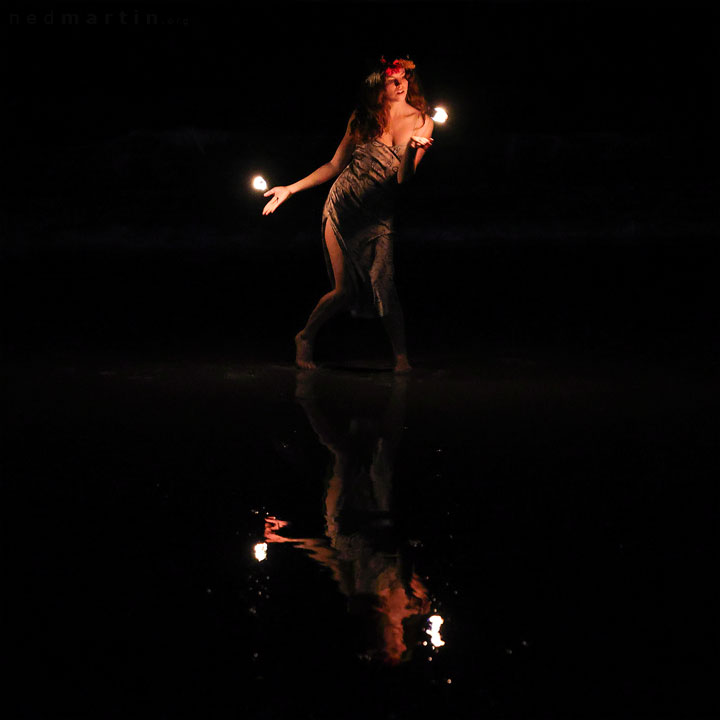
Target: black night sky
<point>556,259</point>
<point>573,188</point>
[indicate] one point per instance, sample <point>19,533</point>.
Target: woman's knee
<point>342,294</point>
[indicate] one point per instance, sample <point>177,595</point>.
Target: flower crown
<point>391,68</point>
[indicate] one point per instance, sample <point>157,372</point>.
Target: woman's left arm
<point>417,147</point>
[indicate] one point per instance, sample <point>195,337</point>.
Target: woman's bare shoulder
<point>427,125</point>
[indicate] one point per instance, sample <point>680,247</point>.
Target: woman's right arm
<point>324,173</point>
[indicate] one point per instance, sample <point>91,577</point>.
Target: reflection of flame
<point>260,551</point>
<point>396,604</point>
<point>440,115</point>
<point>259,183</point>
<point>434,630</point>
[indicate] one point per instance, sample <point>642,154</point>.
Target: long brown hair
<point>371,111</point>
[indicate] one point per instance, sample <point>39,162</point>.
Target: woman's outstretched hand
<point>417,142</point>
<point>280,195</point>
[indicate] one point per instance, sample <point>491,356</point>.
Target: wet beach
<point>522,527</point>
<point>553,501</point>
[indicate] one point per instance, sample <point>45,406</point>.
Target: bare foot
<point>402,365</point>
<point>303,352</point>
<point>305,381</point>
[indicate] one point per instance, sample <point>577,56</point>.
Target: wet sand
<point>558,511</point>
<point>196,529</point>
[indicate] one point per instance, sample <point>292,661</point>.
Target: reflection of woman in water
<point>386,137</point>
<point>363,552</point>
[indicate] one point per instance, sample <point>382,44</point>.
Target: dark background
<point>556,259</point>
<point>569,202</point>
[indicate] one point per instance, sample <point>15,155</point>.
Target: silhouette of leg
<point>329,305</point>
<point>394,323</point>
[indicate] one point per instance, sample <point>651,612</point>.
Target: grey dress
<point>360,208</point>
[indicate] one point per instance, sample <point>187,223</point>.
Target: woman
<point>385,140</point>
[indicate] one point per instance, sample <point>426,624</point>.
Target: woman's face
<point>396,86</point>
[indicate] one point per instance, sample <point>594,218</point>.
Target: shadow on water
<point>364,618</point>
<point>362,548</point>
<point>251,540</point>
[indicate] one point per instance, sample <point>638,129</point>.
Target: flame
<point>440,115</point>
<point>434,631</point>
<point>259,183</point>
<point>260,551</point>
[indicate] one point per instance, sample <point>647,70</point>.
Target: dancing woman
<point>386,137</point>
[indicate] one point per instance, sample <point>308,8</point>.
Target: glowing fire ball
<point>434,631</point>
<point>440,115</point>
<point>260,551</point>
<point>259,183</point>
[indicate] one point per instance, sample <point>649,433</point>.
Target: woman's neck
<point>398,109</point>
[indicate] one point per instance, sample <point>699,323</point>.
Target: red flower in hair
<point>397,66</point>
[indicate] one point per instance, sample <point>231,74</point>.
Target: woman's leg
<point>330,304</point>
<point>394,323</point>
